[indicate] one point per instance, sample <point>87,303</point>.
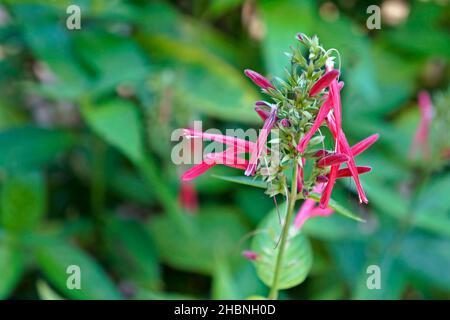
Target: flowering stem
<point>284,233</point>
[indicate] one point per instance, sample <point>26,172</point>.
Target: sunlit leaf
<point>117,121</point>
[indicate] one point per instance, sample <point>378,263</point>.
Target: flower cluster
<point>298,107</point>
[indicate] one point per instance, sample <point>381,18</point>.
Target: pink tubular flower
<point>309,209</point>
<point>323,82</point>
<point>332,176</point>
<point>187,197</point>
<point>229,157</point>
<point>334,122</point>
<point>260,144</point>
<point>239,144</point>
<point>258,79</point>
<point>321,116</point>
<point>342,143</point>
<point>423,130</point>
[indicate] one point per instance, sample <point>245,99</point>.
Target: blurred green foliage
<point>85,170</point>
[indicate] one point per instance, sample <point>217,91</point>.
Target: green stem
<point>273,295</point>
<point>168,200</point>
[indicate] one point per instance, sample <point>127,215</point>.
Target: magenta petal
<point>364,144</point>
<point>332,159</point>
<point>260,145</point>
<point>343,173</point>
<point>321,116</point>
<point>196,170</point>
<point>323,82</point>
<point>263,114</point>
<point>258,79</point>
<point>236,142</point>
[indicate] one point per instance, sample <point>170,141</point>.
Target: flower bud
<point>322,179</point>
<point>332,159</point>
<point>263,114</point>
<point>258,79</point>
<point>285,122</point>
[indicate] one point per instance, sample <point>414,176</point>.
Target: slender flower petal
<point>308,209</point>
<point>228,158</point>
<point>258,79</point>
<point>332,176</point>
<point>196,171</point>
<point>263,114</point>
<point>262,103</point>
<point>323,82</point>
<point>260,145</point>
<point>343,173</point>
<point>336,102</point>
<point>301,175</point>
<point>236,142</point>
<point>364,144</point>
<point>332,159</point>
<point>321,116</point>
<point>344,146</point>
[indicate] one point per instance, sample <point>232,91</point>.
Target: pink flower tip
<point>258,79</point>
<point>285,123</point>
<point>250,255</point>
<point>323,82</point>
<point>364,144</point>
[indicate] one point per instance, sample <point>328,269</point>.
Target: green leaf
<point>214,233</point>
<point>337,207</point>
<point>30,147</point>
<point>204,81</point>
<point>11,266</point>
<point>297,258</point>
<point>243,180</point>
<point>117,122</point>
<point>55,256</point>
<point>432,207</point>
<point>45,292</point>
<point>108,64</point>
<point>23,201</point>
<point>39,26</point>
<point>134,251</point>
<point>223,286</point>
<point>427,258</point>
